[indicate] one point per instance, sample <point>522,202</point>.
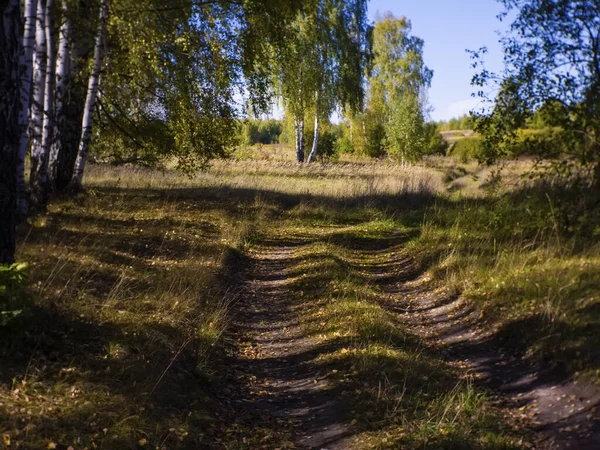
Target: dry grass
<point>131,286</point>
<point>337,180</point>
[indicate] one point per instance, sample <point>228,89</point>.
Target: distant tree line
<point>464,122</point>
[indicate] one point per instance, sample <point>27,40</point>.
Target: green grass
<point>120,338</point>
<point>524,261</point>
<point>404,394</point>
<point>130,295</point>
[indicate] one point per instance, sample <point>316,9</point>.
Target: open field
<point>264,305</point>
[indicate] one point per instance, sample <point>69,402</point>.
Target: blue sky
<point>448,27</point>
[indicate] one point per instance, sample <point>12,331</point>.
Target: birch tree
<point>40,185</point>
<point>397,91</point>
<point>26,82</point>
<point>90,101</point>
<point>322,67</point>
<point>10,102</point>
<point>59,150</point>
<point>39,87</point>
<point>173,92</point>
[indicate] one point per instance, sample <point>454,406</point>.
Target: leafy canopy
<point>552,65</point>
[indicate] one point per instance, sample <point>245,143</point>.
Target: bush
<point>261,132</point>
<point>326,147</point>
<point>435,143</point>
<point>344,145</point>
<point>13,280</point>
<point>540,142</point>
<point>467,148</point>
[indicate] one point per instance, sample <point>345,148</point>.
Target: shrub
<point>326,148</point>
<point>13,280</point>
<point>467,148</point>
<point>435,143</point>
<point>540,142</point>
<point>344,145</point>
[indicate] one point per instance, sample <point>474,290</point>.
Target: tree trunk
<point>40,188</point>
<point>90,101</point>
<point>297,139</point>
<point>70,134</point>
<point>39,86</point>
<point>313,152</point>
<point>300,141</point>
<point>10,102</point>
<point>63,80</point>
<point>26,74</point>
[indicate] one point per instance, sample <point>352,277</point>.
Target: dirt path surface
<point>562,413</point>
<point>275,359</point>
<point>282,387</point>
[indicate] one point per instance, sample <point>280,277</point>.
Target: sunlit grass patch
<point>404,395</point>
<point>535,283</point>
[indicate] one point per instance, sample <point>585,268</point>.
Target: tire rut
<point>284,388</point>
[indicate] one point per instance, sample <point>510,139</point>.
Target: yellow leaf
<point>354,422</point>
<point>6,439</point>
<point>51,445</point>
<point>142,442</point>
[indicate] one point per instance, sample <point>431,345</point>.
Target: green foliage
<point>405,132</point>
<point>13,280</point>
<point>321,65</point>
<point>435,143</point>
<point>344,146</point>
<point>393,121</point>
<point>535,142</point>
<point>171,76</point>
<point>551,79</point>
<point>468,148</point>
<point>367,134</point>
<point>326,148</point>
<point>398,66</point>
<point>261,131</point>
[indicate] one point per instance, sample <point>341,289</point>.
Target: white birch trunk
<point>63,75</point>
<point>38,86</point>
<point>90,101</point>
<point>40,188</point>
<point>297,137</point>
<point>313,152</point>
<point>26,63</point>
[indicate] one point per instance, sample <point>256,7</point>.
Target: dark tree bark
<point>67,139</point>
<point>10,102</point>
<point>299,125</point>
<point>40,189</point>
<point>69,102</point>
<point>26,82</point>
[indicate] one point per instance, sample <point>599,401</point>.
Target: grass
<point>533,275</point>
<point>403,394</point>
<point>129,300</point>
<point>131,287</point>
